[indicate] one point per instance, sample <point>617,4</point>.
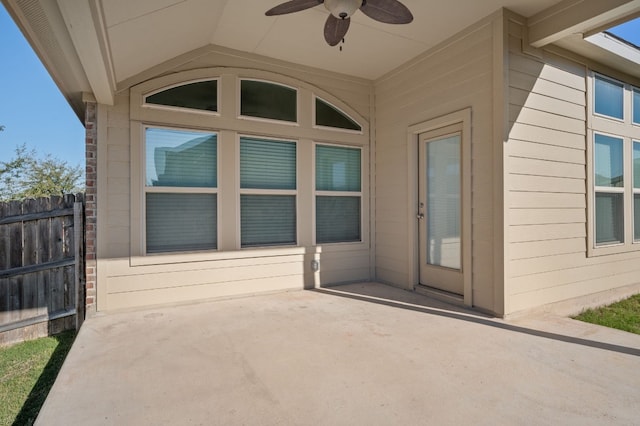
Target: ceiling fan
<point>337,25</point>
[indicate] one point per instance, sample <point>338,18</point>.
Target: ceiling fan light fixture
<point>342,9</point>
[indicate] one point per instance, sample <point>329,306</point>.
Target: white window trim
<point>633,91</point>
<point>175,189</point>
<point>229,128</point>
<point>621,129</point>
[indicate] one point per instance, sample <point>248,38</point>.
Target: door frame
<point>463,118</point>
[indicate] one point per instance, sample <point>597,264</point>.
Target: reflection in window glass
<point>268,100</point>
<point>609,166</point>
<point>202,95</point>
<point>329,116</point>
<point>180,158</point>
<point>337,168</point>
<point>609,98</point>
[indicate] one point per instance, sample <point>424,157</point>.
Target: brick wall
<point>91,153</point>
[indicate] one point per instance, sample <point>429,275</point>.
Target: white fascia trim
<point>81,19</point>
<point>576,16</point>
<point>615,46</point>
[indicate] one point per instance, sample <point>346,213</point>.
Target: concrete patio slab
<point>361,354</point>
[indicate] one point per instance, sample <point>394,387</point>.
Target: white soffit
<point>617,47</point>
<point>140,42</point>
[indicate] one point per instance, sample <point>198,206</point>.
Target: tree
<point>28,176</point>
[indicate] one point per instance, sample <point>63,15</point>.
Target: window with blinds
<point>181,181</point>
<point>636,191</point>
<point>338,194</point>
<point>614,219</point>
<point>609,189</point>
<point>267,192</point>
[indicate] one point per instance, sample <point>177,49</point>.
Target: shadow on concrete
<point>408,300</point>
<point>40,390</point>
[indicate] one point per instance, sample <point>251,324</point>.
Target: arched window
<point>199,95</point>
<point>328,115</point>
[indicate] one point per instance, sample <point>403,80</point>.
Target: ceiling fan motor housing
<point>342,9</point>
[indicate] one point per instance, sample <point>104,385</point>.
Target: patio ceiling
<point>371,48</point>
<point>102,46</point>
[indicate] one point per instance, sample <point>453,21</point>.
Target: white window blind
<point>268,192</point>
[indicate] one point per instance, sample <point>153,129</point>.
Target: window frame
<point>229,127</point>
<point>623,129</point>
<point>263,119</point>
<point>216,113</point>
<point>315,125</point>
<point>634,91</point>
<point>176,189</point>
<point>597,76</point>
<point>321,193</point>
<point>259,191</point>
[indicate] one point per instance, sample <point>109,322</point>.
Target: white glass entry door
<point>440,210</point>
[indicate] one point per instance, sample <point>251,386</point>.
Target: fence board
<point>43,290</point>
<point>4,240</point>
<point>41,266</point>
<point>15,236</point>
<point>31,237</point>
<point>44,231</point>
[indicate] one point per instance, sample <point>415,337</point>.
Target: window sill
<point>246,253</point>
<point>208,256</point>
<point>613,249</point>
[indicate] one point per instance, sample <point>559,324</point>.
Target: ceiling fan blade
<point>335,29</point>
<point>387,11</point>
<point>292,6</point>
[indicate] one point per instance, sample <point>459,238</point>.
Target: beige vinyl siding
<point>451,77</point>
<point>126,281</point>
<point>547,185</point>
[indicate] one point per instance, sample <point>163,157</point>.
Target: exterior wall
<point>453,76</point>
<point>548,226</point>
<point>127,278</point>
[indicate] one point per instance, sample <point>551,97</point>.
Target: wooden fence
<point>41,267</point>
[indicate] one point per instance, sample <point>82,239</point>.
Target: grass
<point>623,315</point>
<point>27,372</point>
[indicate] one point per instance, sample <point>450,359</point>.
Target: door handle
<point>420,216</point>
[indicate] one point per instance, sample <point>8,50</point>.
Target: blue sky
<point>629,31</point>
<point>35,113</point>
<point>31,107</point>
